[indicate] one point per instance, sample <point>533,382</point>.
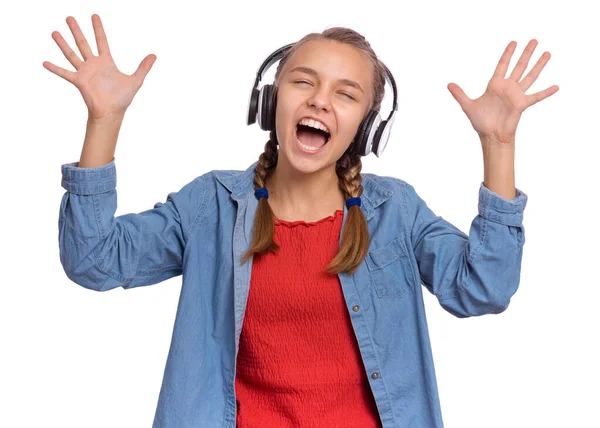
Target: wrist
<point>505,142</point>
<point>106,121</point>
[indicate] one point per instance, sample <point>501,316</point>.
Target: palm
<point>103,87</point>
<point>105,90</point>
<point>497,112</point>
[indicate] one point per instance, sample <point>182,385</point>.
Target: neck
<point>296,195</point>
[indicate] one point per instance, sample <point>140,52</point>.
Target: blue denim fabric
<point>202,230</point>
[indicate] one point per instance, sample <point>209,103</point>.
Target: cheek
<point>281,120</point>
<point>283,112</point>
<point>348,123</point>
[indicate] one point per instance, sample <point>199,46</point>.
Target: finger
<point>535,71</point>
<point>523,61</point>
<point>502,66</point>
<point>80,40</point>
<point>541,95</point>
<point>101,40</point>
<point>459,95</point>
<point>66,50</point>
<point>144,68</point>
<point>69,76</point>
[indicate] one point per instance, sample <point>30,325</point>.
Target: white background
<point>78,358</point>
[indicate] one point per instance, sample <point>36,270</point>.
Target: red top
<point>298,362</point>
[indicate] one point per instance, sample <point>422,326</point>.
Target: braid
<point>348,170</point>
<point>355,236</point>
<point>262,241</point>
<point>266,161</point>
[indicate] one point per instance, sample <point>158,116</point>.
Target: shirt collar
<point>241,186</point>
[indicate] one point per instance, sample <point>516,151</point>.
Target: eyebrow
<point>310,71</point>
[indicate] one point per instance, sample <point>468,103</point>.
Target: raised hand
<point>495,115</point>
<point>106,91</point>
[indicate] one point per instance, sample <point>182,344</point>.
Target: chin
<point>307,167</point>
<point>307,163</point>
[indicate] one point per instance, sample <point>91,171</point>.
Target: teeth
<point>308,148</point>
<point>314,124</point>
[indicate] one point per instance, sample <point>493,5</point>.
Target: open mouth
<point>311,138</point>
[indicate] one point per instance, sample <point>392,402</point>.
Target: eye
<point>302,81</point>
<point>348,95</point>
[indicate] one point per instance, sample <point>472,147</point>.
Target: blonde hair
<point>355,236</point>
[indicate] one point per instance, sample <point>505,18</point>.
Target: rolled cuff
<point>89,181</point>
<point>502,210</point>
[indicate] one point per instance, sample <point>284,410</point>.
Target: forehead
<point>333,60</point>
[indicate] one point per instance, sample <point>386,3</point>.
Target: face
<point>330,82</point>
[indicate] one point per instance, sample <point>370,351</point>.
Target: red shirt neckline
<point>308,223</point>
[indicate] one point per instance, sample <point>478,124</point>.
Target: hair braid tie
<point>352,201</point>
<point>261,192</point>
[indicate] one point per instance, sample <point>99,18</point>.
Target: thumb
<point>144,67</point>
<point>459,95</point>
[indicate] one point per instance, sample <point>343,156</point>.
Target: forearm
<point>499,167</point>
<point>100,142</point>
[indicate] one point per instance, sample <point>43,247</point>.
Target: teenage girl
<point>301,302</point>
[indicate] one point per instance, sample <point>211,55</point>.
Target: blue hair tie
<point>352,201</point>
<point>261,192</point>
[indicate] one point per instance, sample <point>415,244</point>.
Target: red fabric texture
<point>298,363</point>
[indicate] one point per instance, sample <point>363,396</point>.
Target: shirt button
<point>355,308</point>
<point>375,375</point>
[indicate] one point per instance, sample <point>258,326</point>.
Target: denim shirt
<point>201,231</point>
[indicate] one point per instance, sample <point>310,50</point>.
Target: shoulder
<point>225,176</point>
<point>401,194</point>
<point>197,191</point>
<point>396,185</point>
<point>234,180</point>
<point>222,173</point>
<point>224,184</point>
<point>193,200</point>
<point>384,179</point>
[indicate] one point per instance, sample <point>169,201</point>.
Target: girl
<point>301,302</point>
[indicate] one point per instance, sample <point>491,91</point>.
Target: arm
<point>479,273</point>
<point>475,274</point>
<point>100,251</point>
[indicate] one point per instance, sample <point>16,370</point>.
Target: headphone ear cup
<point>382,135</point>
<point>375,148</point>
<point>267,108</point>
<point>253,106</point>
<point>363,133</point>
<point>272,108</point>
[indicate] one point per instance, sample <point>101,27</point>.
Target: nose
<point>320,99</point>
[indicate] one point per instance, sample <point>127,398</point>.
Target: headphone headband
<point>272,59</point>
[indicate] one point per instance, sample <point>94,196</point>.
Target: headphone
<point>373,132</point>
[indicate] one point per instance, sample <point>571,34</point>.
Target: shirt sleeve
<point>100,251</point>
<point>473,274</point>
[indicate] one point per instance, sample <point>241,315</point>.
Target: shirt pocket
<point>390,270</point>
